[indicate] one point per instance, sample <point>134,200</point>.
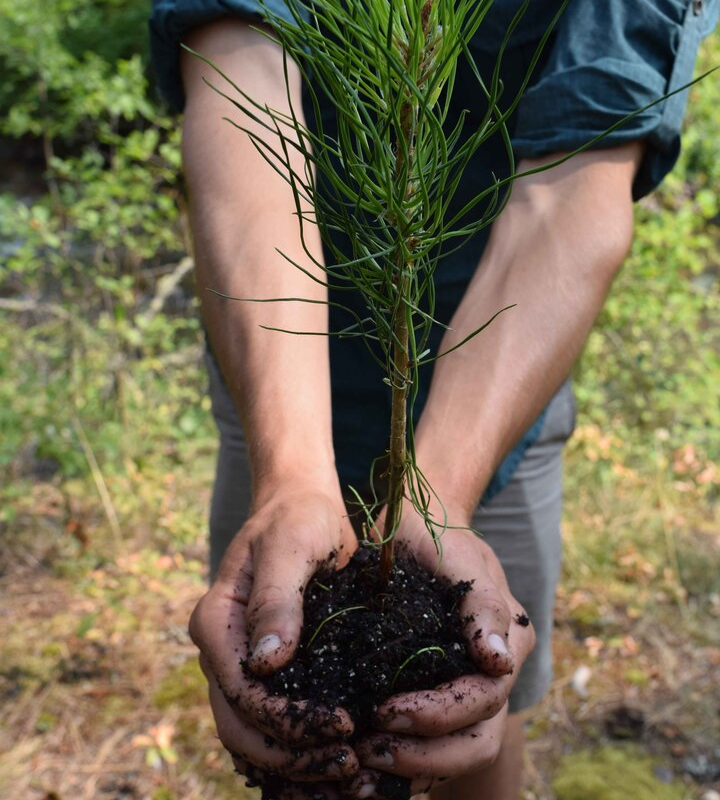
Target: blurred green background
<point>92,216</point>
<point>107,445</point>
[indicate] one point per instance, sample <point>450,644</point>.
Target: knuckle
<point>267,601</point>
<point>492,750</point>
<point>495,705</point>
<point>196,624</point>
<point>490,601</point>
<point>417,762</point>
<point>443,721</point>
<point>230,740</point>
<point>430,766</point>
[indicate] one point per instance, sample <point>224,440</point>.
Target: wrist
<point>298,477</point>
<point>456,473</point>
<point>450,522</point>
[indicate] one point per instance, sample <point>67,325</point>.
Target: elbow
<point>588,201</point>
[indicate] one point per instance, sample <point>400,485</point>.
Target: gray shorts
<point>521,523</point>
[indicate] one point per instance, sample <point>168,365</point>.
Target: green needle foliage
<point>388,69</point>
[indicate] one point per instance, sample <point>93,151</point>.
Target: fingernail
<point>367,791</point>
<point>399,723</point>
<point>498,644</point>
<point>381,760</point>
<point>267,646</point>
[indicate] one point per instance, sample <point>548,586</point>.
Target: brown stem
<point>399,377</point>
<point>398,436</point>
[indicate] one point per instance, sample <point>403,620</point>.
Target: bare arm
<point>553,252</point>
<point>241,212</point>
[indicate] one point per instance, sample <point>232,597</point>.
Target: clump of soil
<point>363,642</point>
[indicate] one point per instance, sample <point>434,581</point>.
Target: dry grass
<point>102,697</point>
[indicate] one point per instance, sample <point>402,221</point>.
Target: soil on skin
<point>362,643</point>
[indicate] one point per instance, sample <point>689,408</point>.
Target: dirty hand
<point>253,612</point>
<point>457,727</point>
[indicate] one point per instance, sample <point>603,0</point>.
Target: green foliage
<point>653,360</point>
<point>115,186</point>
<point>82,340</point>
<point>183,687</point>
<point>79,265</point>
<point>611,774</point>
<point>388,177</point>
<point>81,260</point>
<point>69,63</point>
<point>386,181</point>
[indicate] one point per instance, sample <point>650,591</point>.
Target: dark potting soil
<point>362,643</point>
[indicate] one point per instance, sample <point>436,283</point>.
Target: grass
<point>107,451</point>
<point>99,682</point>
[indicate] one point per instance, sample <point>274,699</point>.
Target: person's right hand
<point>253,615</point>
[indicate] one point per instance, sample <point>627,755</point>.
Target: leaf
<point>87,621</point>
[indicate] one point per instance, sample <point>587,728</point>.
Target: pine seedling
<point>387,177</point>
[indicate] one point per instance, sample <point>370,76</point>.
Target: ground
<point>107,451</point>
<point>102,696</point>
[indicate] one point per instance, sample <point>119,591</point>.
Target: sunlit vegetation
<point>107,450</point>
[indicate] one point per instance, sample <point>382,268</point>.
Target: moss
<point>115,709</point>
<point>45,722</point>
<point>611,774</point>
<point>637,677</point>
<point>182,687</point>
<point>586,620</point>
<point>536,728</point>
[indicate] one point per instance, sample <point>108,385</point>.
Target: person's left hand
<point>458,727</point>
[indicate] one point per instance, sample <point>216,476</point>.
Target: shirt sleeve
<point>610,59</point>
<point>172,20</point>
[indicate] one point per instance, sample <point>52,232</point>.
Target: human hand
<point>457,727</point>
<point>252,615</point>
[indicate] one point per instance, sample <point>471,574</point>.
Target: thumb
<point>485,611</point>
<point>275,605</point>
<point>487,621</point>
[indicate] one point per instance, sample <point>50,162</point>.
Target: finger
<point>299,722</point>
<point>448,756</point>
<point>281,788</point>
<point>218,628</point>
<point>486,618</point>
<point>217,625</point>
<point>383,786</point>
<point>275,605</point>
<point>485,608</point>
<point>248,744</point>
<point>447,708</point>
<point>497,627</point>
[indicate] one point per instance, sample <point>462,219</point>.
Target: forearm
<point>553,253</point>
<point>242,214</point>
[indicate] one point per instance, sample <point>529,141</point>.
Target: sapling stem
<point>400,378</point>
<point>384,174</point>
<point>398,444</point>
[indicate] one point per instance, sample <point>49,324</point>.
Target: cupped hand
<point>249,624</point>
<point>457,727</point>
